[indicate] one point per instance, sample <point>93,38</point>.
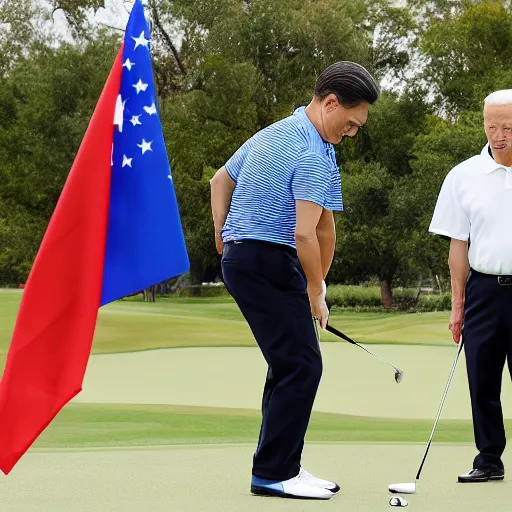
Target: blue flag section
<point>145,243</point>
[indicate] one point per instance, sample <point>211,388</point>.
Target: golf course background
<point>132,326</point>
<point>187,373</point>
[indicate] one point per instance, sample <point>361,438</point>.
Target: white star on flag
<point>140,86</point>
<point>145,146</point>
<point>135,120</point>
<point>127,161</point>
<point>151,110</point>
<point>141,40</point>
<point>128,64</point>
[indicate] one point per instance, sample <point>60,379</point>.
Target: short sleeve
<point>311,179</point>
<point>236,162</point>
<point>449,218</point>
<point>335,196</point>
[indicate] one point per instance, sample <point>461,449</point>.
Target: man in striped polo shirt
<point>272,206</point>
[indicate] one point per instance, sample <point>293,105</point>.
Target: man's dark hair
<point>350,82</point>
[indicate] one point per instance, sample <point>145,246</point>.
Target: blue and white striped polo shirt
<point>284,162</point>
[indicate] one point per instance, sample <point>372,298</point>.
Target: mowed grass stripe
<point>129,325</point>
<point>119,425</point>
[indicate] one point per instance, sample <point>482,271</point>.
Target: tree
<point>469,50</point>
<point>442,146</point>
<point>247,65</point>
<point>45,106</point>
<point>203,128</point>
<point>381,214</point>
<point>20,32</point>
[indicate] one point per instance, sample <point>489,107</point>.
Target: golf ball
<point>398,501</point>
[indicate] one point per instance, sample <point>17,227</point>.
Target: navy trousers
<point>487,336</point>
<point>267,284</point>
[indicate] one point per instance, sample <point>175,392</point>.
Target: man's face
<point>498,130</point>
<point>339,122</point>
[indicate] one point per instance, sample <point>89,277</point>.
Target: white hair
<point>503,97</point>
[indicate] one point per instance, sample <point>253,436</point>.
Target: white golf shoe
<point>320,482</point>
<point>302,486</point>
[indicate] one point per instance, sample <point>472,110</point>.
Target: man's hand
<point>456,319</point>
<point>318,305</point>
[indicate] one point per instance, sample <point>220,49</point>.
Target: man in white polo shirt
<point>474,210</point>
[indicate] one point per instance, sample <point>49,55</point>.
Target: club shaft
<point>378,357</point>
<point>440,409</point>
<point>335,331</point>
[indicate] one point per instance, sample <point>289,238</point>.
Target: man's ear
<point>331,102</point>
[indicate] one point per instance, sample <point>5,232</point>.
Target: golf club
<point>410,488</point>
<point>398,373</point>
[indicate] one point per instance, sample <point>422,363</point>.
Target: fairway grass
<point>80,426</point>
<point>128,326</point>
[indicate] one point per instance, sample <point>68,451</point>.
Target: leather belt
<point>286,248</point>
<point>503,280</point>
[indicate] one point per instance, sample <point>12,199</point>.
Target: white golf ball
<point>398,501</point>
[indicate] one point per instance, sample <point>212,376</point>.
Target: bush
<point>434,302</point>
<point>368,298</point>
<point>202,291</point>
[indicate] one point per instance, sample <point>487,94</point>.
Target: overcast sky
<point>116,14</point>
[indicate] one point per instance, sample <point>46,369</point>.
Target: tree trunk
<point>439,285</point>
<point>386,293</point>
<point>420,281</point>
<point>196,276</point>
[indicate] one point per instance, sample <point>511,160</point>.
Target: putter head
<point>408,488</point>
<point>398,376</point>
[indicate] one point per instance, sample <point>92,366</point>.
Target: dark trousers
<point>487,337</point>
<point>266,282</point>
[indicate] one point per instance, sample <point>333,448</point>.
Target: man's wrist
<point>457,303</point>
<point>316,290</point>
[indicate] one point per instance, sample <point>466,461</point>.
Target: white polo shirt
<point>475,204</point>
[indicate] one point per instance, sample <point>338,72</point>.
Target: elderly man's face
<point>498,129</point>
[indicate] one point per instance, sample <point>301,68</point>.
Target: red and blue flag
<point>115,230</point>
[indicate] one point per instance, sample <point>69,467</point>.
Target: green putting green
<point>174,428</point>
<point>216,479</point>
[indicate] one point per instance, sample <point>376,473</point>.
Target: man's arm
<point>308,251</point>
<point>326,234</point>
<point>222,187</point>
<point>459,270</point>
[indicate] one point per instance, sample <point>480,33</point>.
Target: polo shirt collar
<point>301,113</point>
<point>490,165</point>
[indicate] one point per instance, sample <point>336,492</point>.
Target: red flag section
<point>55,326</point>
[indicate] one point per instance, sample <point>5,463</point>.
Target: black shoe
<point>483,475</point>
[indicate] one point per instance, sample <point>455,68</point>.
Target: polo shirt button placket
<point>508,178</point>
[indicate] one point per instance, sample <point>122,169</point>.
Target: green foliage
<point>381,215</point>
<point>238,67</point>
<point>45,107</point>
<point>368,298</point>
<point>202,291</point>
<point>468,51</point>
